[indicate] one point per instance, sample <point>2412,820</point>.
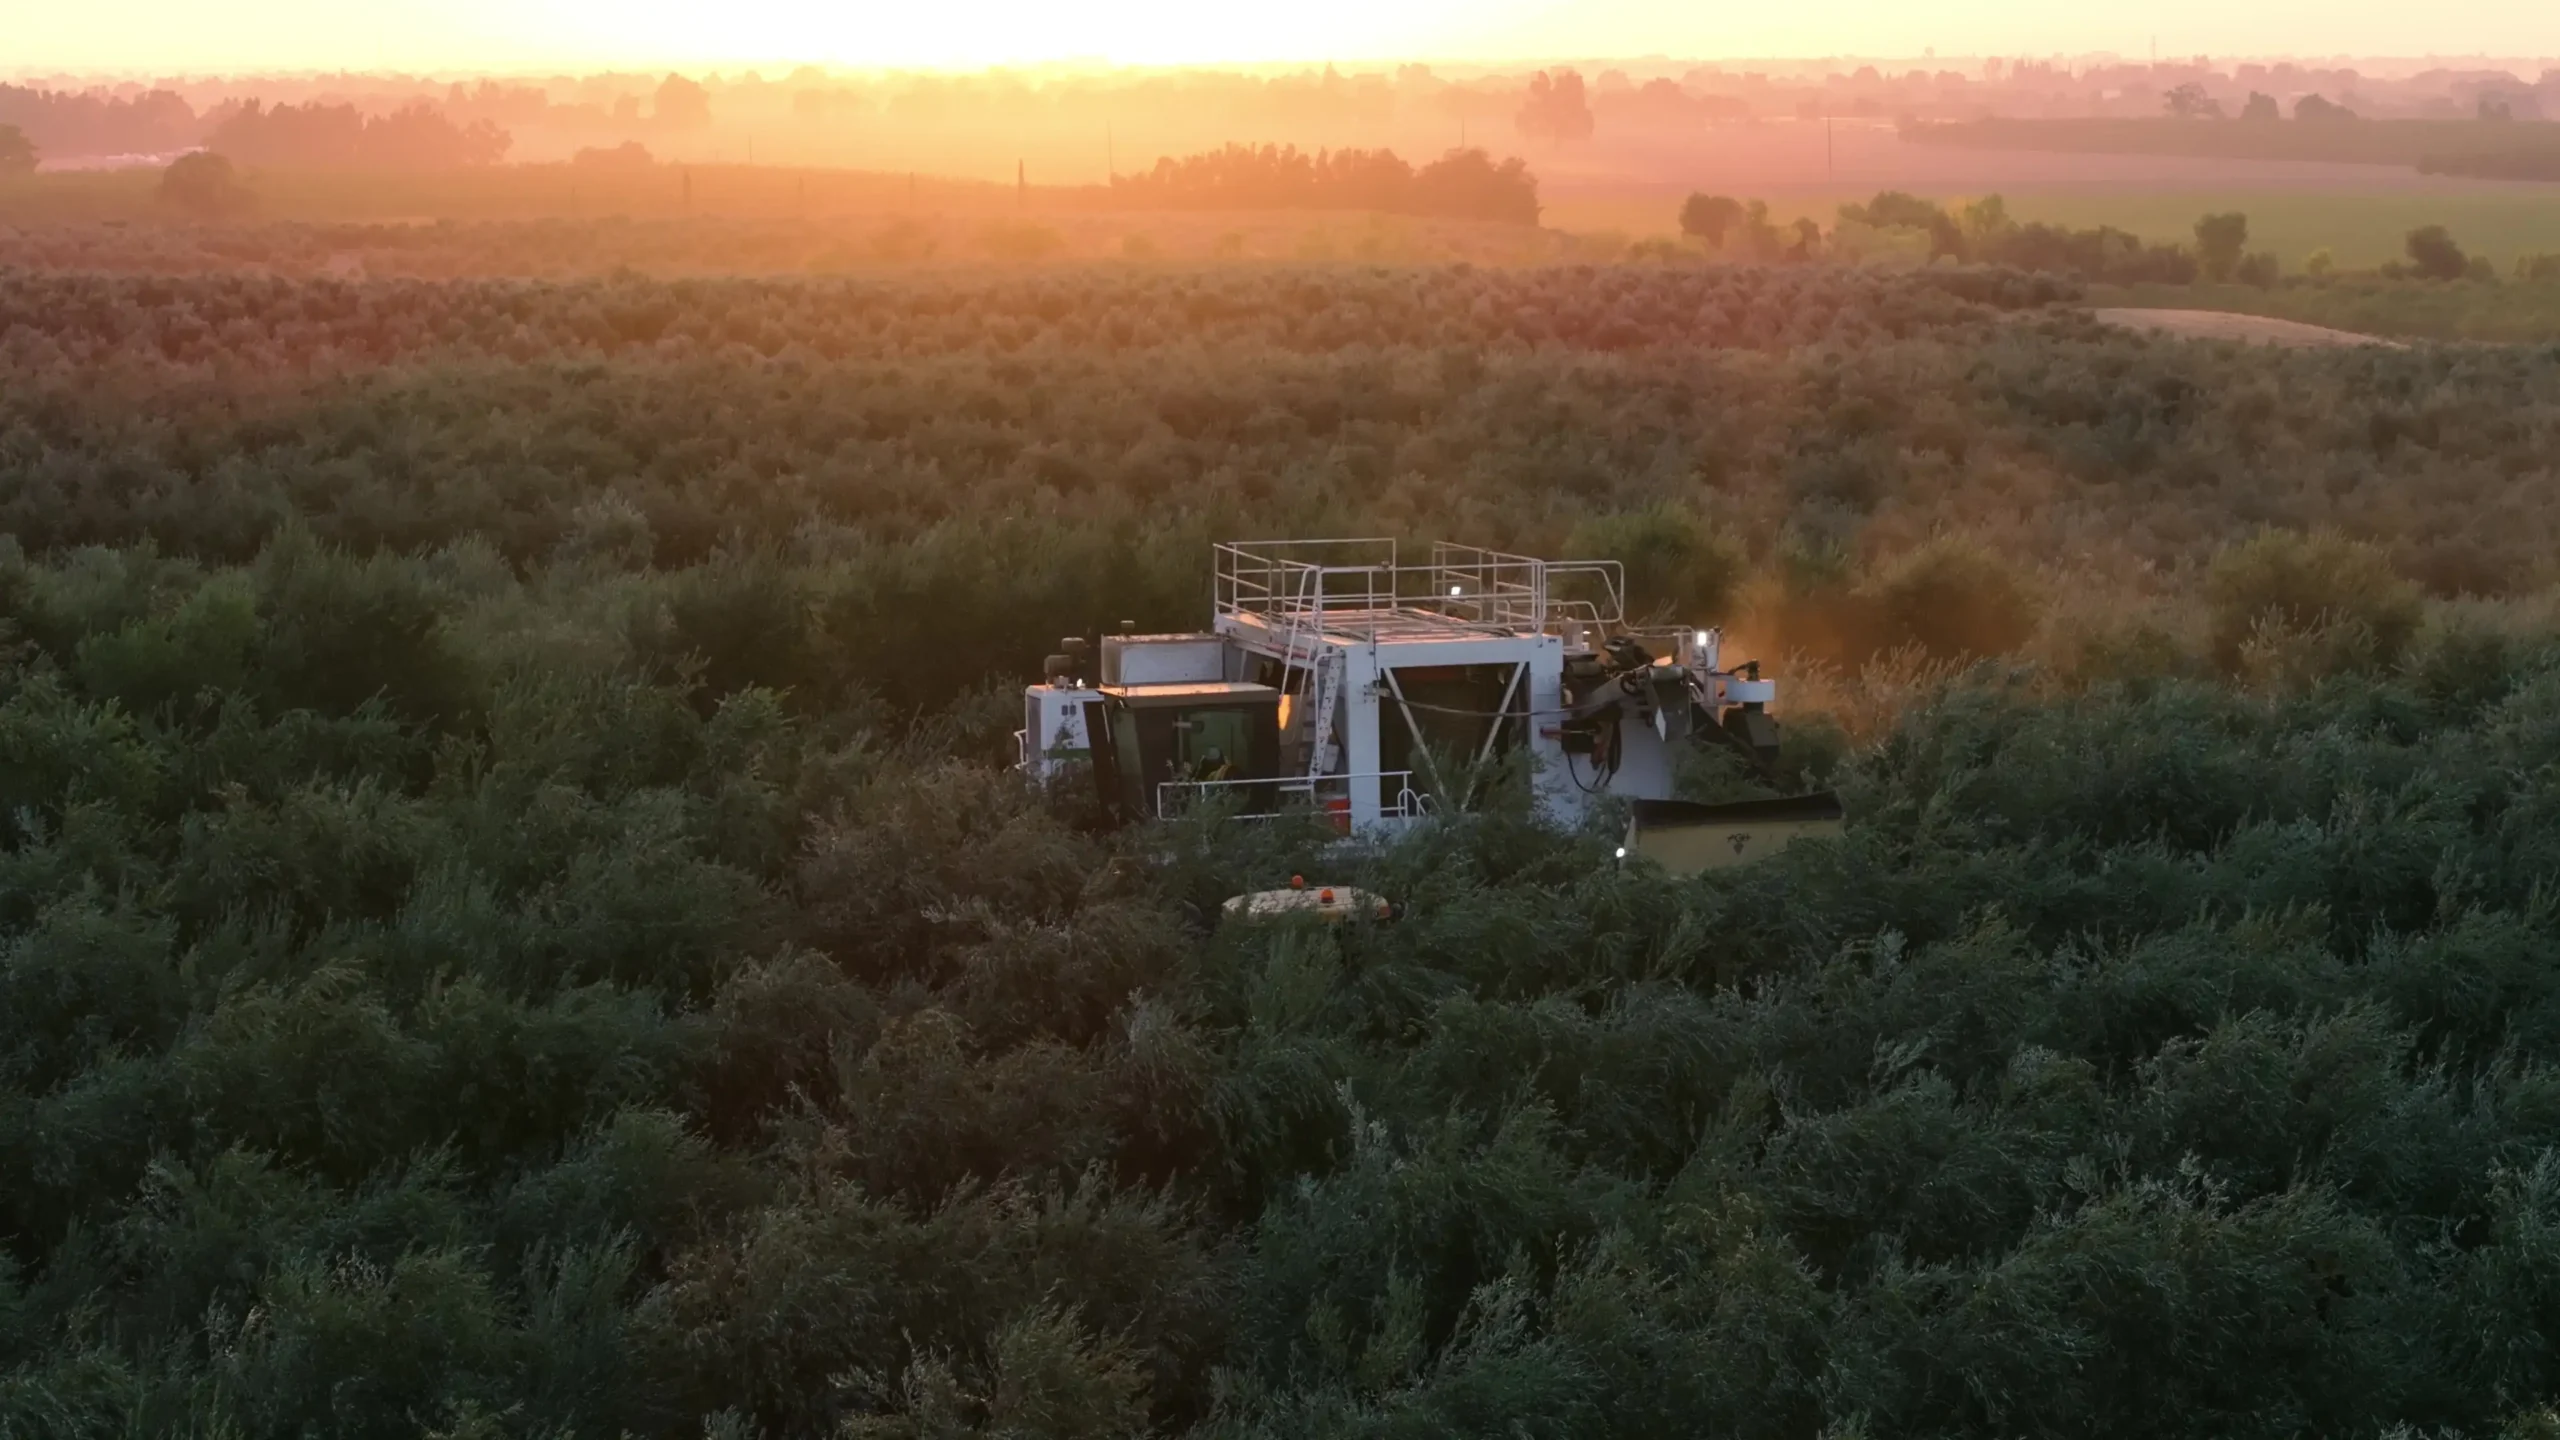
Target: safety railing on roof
<point>1521,592</point>
<point>1353,585</point>
<point>1285,580</point>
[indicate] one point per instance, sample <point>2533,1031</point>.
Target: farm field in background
<point>2412,142</point>
<point>2361,227</point>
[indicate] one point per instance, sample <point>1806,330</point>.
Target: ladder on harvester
<point>1327,678</point>
<point>1306,654</point>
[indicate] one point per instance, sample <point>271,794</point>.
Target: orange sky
<point>190,36</point>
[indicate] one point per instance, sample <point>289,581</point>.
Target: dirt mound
<point>2224,325</point>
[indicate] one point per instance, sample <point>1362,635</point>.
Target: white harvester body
<point>1336,678</point>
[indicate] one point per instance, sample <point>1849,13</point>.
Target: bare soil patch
<point>2225,325</point>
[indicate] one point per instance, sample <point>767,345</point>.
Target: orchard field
<point>512,921</point>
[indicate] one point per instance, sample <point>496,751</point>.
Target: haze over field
<point>123,35</point>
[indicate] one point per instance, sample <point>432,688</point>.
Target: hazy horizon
<point>2375,64</point>
<point>147,37</point>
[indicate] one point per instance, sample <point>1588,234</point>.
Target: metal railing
<point>1522,592</point>
<point>1320,796</point>
<point>1293,579</point>
<point>1357,587</point>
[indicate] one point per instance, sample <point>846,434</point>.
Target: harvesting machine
<point>1339,679</point>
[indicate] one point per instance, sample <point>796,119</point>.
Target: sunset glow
<point>168,36</point>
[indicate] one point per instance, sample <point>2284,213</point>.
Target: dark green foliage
<point>1670,560</point>
<point>506,924</point>
<point>1894,210</point>
<point>2132,1057</point>
<point>1710,217</point>
<point>2296,584</point>
<point>1889,1201</point>
<point>894,474</point>
<point>2104,255</point>
<point>339,633</point>
<point>1952,598</point>
<point>2433,255</point>
<point>204,186</point>
<point>2259,268</point>
<point>2221,241</point>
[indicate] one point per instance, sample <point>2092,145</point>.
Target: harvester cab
<point>1339,680</point>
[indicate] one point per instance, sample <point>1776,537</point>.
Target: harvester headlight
<point>1702,639</point>
<point>1622,852</point>
<point>1456,590</point>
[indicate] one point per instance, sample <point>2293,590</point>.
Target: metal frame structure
<point>1337,621</point>
<point>1359,588</point>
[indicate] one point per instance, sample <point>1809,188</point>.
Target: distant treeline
<point>416,136</point>
<point>1980,233</point>
<point>2522,149</point>
<point>1983,233</point>
<point>1461,185</point>
<point>62,123</point>
<point>339,137</point>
